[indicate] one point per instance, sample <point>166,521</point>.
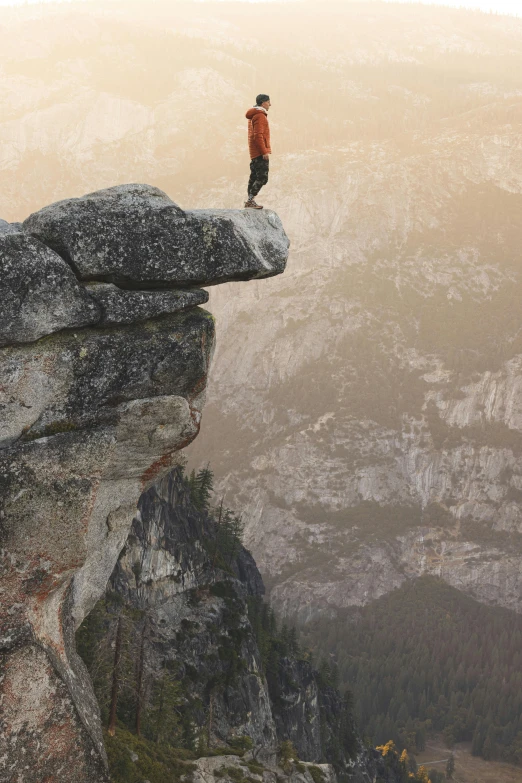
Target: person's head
<point>263,100</point>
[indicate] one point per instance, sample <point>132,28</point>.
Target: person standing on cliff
<point>259,148</point>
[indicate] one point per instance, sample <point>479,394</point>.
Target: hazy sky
<point>502,6</point>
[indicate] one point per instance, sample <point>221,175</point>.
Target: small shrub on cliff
<point>223,590</point>
<point>201,487</point>
<point>234,773</point>
<point>156,763</point>
<point>286,755</point>
<point>255,767</point>
<point>242,743</point>
<point>317,774</point>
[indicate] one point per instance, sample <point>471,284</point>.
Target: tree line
<point>427,658</point>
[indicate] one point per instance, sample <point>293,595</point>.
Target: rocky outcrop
<point>196,609</point>
<point>95,407</point>
<point>231,769</point>
<point>191,612</point>
<point>9,228</point>
<point>126,307</point>
<point>135,236</point>
<point>311,714</point>
<point>198,613</point>
<point>40,293</point>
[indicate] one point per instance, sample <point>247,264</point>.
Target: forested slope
<point>428,658</point>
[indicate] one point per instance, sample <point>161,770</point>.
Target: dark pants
<point>258,176</point>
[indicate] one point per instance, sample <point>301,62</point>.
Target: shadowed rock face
<point>97,400</point>
<point>126,307</point>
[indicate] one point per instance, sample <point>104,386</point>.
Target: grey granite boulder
<point>39,294</point>
<point>135,236</point>
<point>126,307</point>
<point>10,228</point>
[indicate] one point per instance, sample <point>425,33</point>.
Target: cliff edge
<point>104,357</point>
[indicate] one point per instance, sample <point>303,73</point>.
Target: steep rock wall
<point>199,623</point>
<point>167,570</point>
<point>96,400</point>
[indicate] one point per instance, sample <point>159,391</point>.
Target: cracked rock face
<point>100,390</point>
<point>196,611</point>
<point>165,549</point>
<point>126,307</point>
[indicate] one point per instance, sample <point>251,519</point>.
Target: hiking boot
<point>252,204</point>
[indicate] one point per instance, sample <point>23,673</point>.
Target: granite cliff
<point>400,451</point>
<point>103,382</point>
<point>203,611</point>
<point>193,606</point>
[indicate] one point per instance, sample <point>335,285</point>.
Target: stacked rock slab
<point>102,382</point>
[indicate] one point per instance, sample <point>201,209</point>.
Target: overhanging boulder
<point>137,237</point>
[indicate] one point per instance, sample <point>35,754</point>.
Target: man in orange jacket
<point>259,147</point>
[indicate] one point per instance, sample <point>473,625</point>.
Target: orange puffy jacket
<point>258,132</point>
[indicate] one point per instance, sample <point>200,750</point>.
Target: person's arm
<point>259,123</point>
